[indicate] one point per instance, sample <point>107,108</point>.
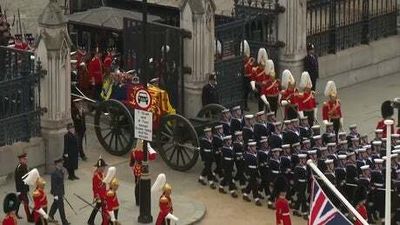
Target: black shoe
<point>71,178</point>
<point>222,190</point>
<point>212,186</point>
<point>246,198</point>
<point>76,178</point>
<point>203,182</point>
<point>296,213</point>
<point>84,158</point>
<point>234,195</point>
<point>258,203</point>
<point>52,220</point>
<point>66,223</point>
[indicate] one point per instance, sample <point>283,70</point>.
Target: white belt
<point>239,153</point>
<point>275,171</point>
<point>378,184</point>
<point>285,214</point>
<point>207,150</point>
<point>226,158</point>
<point>301,180</point>
<point>252,167</point>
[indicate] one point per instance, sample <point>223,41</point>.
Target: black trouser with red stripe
<point>23,198</point>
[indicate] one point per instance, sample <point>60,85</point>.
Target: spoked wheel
<point>177,142</point>
<point>211,111</point>
<point>114,127</point>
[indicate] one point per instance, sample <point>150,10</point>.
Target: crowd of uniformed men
<point>247,153</point>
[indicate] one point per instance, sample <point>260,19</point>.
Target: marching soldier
<point>218,142</point>
<point>95,69</point>
<point>274,172</point>
<point>99,189</point>
<point>10,205</point>
<point>206,152</point>
<point>263,158</point>
<point>387,113</point>
<point>377,194</point>
<point>248,62</point>
<point>316,129</point>
<point>329,171</point>
<point>260,128</point>
<point>378,135</point>
<point>260,76</point>
<point>226,121</point>
<point>286,163</point>
<point>282,205</point>
<point>111,200</point>
<point>331,111</point>
<point>248,131</point>
<point>270,89</point>
<point>237,120</point>
<point>340,172</point>
<point>275,139</point>
<point>166,208</point>
<point>57,190</point>
<point>353,133</point>
<point>306,99</point>
<point>329,130</point>
<point>305,130</point>
<point>364,181</point>
<point>364,139</point>
<point>250,158</point>
<point>290,135</point>
<point>40,215</point>
<point>342,136</point>
<point>323,155</point>
<point>300,186</point>
<point>270,122</point>
<point>317,142</point>
<point>306,145</point>
<point>21,188</point>
<point>351,176</point>
<point>227,164</point>
<point>289,96</point>
<point>354,143</point>
<point>238,149</point>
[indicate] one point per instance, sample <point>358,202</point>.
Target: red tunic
<point>107,61</point>
<point>290,95</point>
<point>39,202</point>
<point>136,162</point>
<point>258,75</point>
<point>248,67</point>
<point>112,201</point>
<point>270,87</point>
<point>9,220</point>
<point>282,212</point>
<point>165,208</point>
<point>331,110</point>
<point>381,125</point>
<point>363,212</point>
<point>80,56</point>
<point>306,101</point>
<point>21,45</point>
<point>99,189</point>
<point>95,71</point>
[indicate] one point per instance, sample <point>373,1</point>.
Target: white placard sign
<point>143,125</point>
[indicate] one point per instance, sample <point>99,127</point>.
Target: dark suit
<point>209,95</point>
<point>57,190</point>
<point>71,152</point>
<point>312,67</point>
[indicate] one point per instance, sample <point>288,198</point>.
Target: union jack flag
<point>322,211</point>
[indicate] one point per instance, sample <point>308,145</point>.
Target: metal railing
<point>334,25</point>
<point>19,96</point>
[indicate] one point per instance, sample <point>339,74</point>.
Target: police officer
<point>300,186</point>
<point>248,131</point>
<point>21,188</point>
<point>311,65</point>
<point>57,190</point>
<point>238,149</point>
<point>210,93</point>
<point>206,153</point>
<point>263,165</point>
<point>227,164</point>
<point>250,158</point>
<point>218,142</point>
<point>237,119</point>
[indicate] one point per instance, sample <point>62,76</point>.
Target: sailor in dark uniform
<point>354,144</point>
<point>361,158</point>
<point>342,147</point>
<point>296,150</point>
<point>250,158</point>
<point>228,156</point>
<point>270,122</point>
<point>207,156</point>
<point>218,142</point>
<point>238,149</point>
<point>330,171</point>
<point>365,181</point>
<point>260,127</point>
<point>248,131</point>
<point>323,155</point>
<point>377,194</point>
<point>287,166</point>
<point>369,159</point>
<point>316,130</point>
<point>317,142</point>
<point>351,176</point>
<point>226,121</point>
<point>378,135</point>
<point>300,186</point>
<point>296,125</point>
<point>237,119</point>
<point>328,131</point>
<point>376,149</point>
<point>275,139</point>
<point>352,134</point>
<point>274,172</point>
<point>340,172</point>
<point>263,165</point>
<point>332,154</point>
<point>364,139</point>
<point>342,136</point>
<point>305,130</point>
<point>290,134</point>
<point>306,145</point>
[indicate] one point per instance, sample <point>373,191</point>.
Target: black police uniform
<point>57,190</point>
<point>238,149</point>
<point>312,67</point>
<point>206,151</point>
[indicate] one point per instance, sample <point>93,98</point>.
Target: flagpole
<point>388,187</point>
<point>336,192</point>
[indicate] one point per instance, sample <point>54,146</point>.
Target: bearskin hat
<point>387,110</point>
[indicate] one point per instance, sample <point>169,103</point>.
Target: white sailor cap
<point>312,152</point>
<point>331,144</point>
<point>367,146</point>
<point>264,137</point>
<point>342,133</point>
<point>377,142</point>
<point>228,137</point>
<point>263,140</point>
<point>350,154</point>
<point>343,142</point>
<point>225,111</point>
<point>361,150</point>
<point>277,123</point>
<point>341,156</point>
<point>378,161</point>
<point>355,139</point>
<point>296,144</point>
<point>236,108</point>
<point>302,156</point>
<point>238,133</point>
<point>304,117</point>
<point>365,167</point>
<point>295,120</point>
<point>397,151</point>
<point>397,147</point>
<point>276,150</point>
<point>328,124</point>
<point>395,135</point>
<point>316,137</point>
<point>286,146</point>
<point>218,126</point>
<point>315,127</point>
<point>249,116</point>
<point>207,129</point>
<point>271,114</point>
<point>323,148</point>
<point>260,113</point>
<point>379,131</point>
<point>384,140</point>
<point>306,141</point>
<point>287,122</point>
<point>328,161</point>
<point>352,126</point>
<point>253,143</point>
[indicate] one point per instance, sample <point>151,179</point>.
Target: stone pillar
<point>293,32</point>
<point>53,50</point>
<point>197,16</point>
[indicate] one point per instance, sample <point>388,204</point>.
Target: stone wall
<point>9,160</point>
<point>361,63</point>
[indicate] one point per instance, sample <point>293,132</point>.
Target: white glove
<point>171,217</point>
<point>341,122</point>
<point>18,193</point>
<point>301,114</point>
<point>112,216</point>
<point>326,121</point>
<point>284,103</point>
<point>253,85</point>
<point>43,213</point>
<point>264,99</point>
<point>315,113</point>
<point>66,155</point>
<point>55,197</point>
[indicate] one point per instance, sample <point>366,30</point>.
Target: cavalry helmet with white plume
<point>262,57</point>
<point>287,79</point>
<point>33,178</point>
<point>330,89</point>
<point>111,172</point>
<point>159,184</point>
<point>245,48</point>
<point>270,68</point>
<point>305,81</point>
